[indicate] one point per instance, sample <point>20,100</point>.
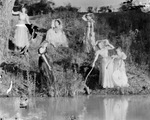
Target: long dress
<point>21,39</point>
<point>119,75</point>
<point>90,35</point>
<point>106,69</point>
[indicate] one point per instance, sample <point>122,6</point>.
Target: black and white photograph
<point>74,59</point>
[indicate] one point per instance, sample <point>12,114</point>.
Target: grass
<point>120,28</point>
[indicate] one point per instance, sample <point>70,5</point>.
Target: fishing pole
<point>88,74</point>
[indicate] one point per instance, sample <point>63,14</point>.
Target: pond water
<point>78,108</point>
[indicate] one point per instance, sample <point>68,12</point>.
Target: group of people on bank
<point>112,68</point>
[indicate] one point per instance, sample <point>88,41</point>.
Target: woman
<point>90,34</point>
<point>21,32</point>
<point>56,35</point>
<point>119,74</point>
<point>106,63</point>
<point>56,40</point>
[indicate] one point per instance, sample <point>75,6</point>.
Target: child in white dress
<point>119,75</point>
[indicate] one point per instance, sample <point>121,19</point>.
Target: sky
<point>95,3</point>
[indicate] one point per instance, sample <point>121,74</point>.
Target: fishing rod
<point>88,74</point>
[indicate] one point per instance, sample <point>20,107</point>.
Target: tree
<point>129,5</point>
<point>5,26</point>
<point>90,9</point>
<point>125,6</point>
<point>104,9</point>
<point>68,7</point>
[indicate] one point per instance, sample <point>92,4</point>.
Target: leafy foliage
<point>129,5</point>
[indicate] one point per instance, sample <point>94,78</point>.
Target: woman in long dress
<point>106,63</point>
<point>90,34</point>
<point>119,74</point>
<point>21,38</point>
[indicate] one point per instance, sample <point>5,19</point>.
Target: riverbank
<point>127,32</point>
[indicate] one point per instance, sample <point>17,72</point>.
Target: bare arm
<point>110,46</point>
<point>15,13</point>
<point>84,18</point>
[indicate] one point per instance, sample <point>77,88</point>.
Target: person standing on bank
<point>21,39</point>
<point>90,34</point>
<point>106,67</point>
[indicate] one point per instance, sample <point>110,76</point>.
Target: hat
<point>90,14</point>
<point>102,43</point>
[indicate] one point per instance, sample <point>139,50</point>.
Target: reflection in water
<point>10,110</point>
<point>78,108</point>
<point>115,109</point>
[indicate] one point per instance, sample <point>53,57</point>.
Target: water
<point>78,108</point>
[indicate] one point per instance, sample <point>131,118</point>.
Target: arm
<point>84,18</point>
<point>110,46</point>
<point>15,13</point>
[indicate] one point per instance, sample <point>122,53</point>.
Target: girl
<point>56,35</point>
<point>21,33</point>
<point>119,74</point>
<point>90,34</point>
<point>106,67</point>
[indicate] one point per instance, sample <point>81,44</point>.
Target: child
<point>119,75</point>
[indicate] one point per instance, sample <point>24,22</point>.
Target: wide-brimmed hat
<point>102,43</point>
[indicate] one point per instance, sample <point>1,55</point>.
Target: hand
<point>42,50</point>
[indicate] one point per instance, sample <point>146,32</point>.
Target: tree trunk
<point>5,26</point>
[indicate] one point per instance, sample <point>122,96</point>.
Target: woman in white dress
<point>90,34</point>
<point>106,68</point>
<point>21,38</point>
<point>119,74</point>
